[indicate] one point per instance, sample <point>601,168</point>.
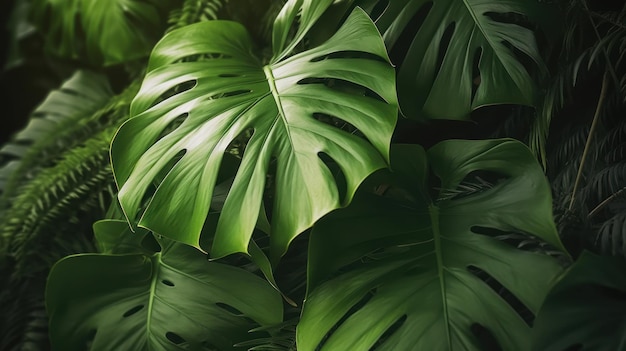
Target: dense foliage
<point>316,175</point>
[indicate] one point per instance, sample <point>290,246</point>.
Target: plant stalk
<point>606,202</point>
<point>594,124</point>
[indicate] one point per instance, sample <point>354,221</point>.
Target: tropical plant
<point>225,175</point>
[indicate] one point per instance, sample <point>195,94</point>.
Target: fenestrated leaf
<point>170,300</point>
<point>405,272</point>
<point>438,73</point>
<point>106,31</point>
<point>586,309</point>
<point>347,77</point>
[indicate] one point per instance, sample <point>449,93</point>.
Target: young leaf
<point>404,272</point>
<point>225,93</point>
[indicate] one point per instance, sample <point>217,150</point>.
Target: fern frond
<point>605,183</point>
<point>612,235</point>
<point>64,119</point>
<point>194,11</point>
<point>50,216</point>
<point>61,192</point>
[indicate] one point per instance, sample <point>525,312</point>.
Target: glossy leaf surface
<point>225,93</point>
<point>406,271</point>
<point>169,300</point>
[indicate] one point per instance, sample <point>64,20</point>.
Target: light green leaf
<point>437,77</point>
<point>104,31</point>
<point>170,300</point>
<point>414,267</point>
<point>228,93</point>
<point>586,309</point>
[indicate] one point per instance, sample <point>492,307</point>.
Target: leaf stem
<point>594,124</point>
<point>606,202</point>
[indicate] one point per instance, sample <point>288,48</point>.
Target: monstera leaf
<point>109,31</point>
<point>169,300</point>
<point>456,56</point>
<point>406,272</point>
<point>206,75</point>
<point>586,309</point>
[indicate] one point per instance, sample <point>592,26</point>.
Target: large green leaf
<point>104,31</point>
<point>421,268</point>
<point>169,300</point>
<point>233,95</point>
<point>440,73</point>
<point>586,309</point>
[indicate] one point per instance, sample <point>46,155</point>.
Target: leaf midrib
<point>434,218</point>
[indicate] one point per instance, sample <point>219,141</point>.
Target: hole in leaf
<point>174,338</point>
<point>511,18</point>
<point>343,86</point>
<point>485,337</point>
<point>476,79</point>
<point>520,241</point>
<point>474,183</point>
<point>379,9</point>
<point>389,332</point>
<point>228,94</point>
<point>172,125</point>
<point>133,311</point>
<point>237,146</point>
<point>168,167</point>
<point>175,90</point>
<point>203,57</point>
<point>364,300</point>
<point>399,49</point>
<point>523,58</point>
<point>167,282</point>
<point>349,54</point>
<point>519,308</point>
<point>338,123</point>
<point>446,38</point>
<point>229,75</point>
<point>338,175</point>
<point>230,309</point>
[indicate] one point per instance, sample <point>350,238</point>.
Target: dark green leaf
<point>586,308</point>
<point>405,272</point>
<point>170,300</point>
